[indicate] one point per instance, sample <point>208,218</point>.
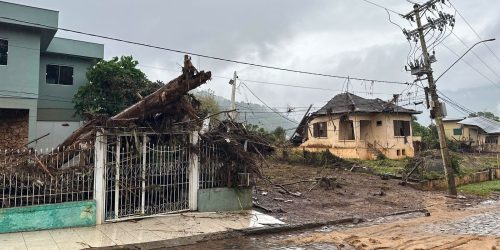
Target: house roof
<point>350,103</point>
<point>488,125</point>
<point>31,17</point>
<point>76,48</point>
<point>451,119</point>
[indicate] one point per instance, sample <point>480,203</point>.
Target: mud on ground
<point>351,195</point>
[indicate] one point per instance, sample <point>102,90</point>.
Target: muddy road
<point>452,224</point>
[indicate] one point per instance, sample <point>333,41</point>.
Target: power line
<point>265,104</point>
<point>202,55</point>
<point>471,66</point>
<point>473,30</point>
<point>475,54</point>
<point>383,7</point>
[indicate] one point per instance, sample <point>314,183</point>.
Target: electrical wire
<point>473,30</point>
<point>202,55</point>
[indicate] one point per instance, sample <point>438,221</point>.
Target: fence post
<point>99,176</point>
<point>194,165</point>
<point>143,175</point>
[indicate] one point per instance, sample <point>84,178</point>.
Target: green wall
<point>52,216</point>
<point>55,103</point>
<point>224,199</point>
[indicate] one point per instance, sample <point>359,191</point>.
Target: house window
<point>491,140</point>
<point>319,129</point>
<point>379,123</point>
<point>401,128</point>
<point>56,74</point>
<point>403,152</point>
<point>346,130</point>
<point>457,131</point>
<point>4,51</point>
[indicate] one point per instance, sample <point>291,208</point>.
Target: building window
<point>4,51</point>
<point>401,128</point>
<point>319,129</point>
<point>457,131</point>
<point>56,74</point>
<point>491,140</point>
<point>346,130</point>
<point>379,123</point>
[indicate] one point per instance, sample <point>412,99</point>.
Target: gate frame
<point>100,175</point>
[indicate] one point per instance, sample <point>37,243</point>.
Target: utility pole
<point>233,114</point>
<point>426,68</point>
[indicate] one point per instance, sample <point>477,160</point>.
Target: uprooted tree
<point>169,109</point>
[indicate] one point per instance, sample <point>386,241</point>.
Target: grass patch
<point>383,166</point>
<point>481,189</point>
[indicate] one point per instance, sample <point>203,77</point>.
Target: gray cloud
<point>345,37</point>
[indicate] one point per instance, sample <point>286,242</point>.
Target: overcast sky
<point>341,37</point>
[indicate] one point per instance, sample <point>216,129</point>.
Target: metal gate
<point>146,175</point>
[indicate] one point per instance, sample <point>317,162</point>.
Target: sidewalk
<point>129,232</point>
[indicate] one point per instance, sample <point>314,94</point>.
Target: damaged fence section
<point>64,177</point>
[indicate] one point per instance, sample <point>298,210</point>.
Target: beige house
<point>481,133</point>
<point>354,127</point>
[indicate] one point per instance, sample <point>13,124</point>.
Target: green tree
<point>113,86</point>
<point>279,134</point>
<point>208,105</point>
<point>486,114</point>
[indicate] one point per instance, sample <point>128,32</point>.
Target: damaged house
<point>478,133</point>
<point>350,126</point>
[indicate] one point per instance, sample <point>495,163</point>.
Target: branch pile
<point>240,150</point>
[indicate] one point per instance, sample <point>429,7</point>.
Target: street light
<point>487,40</point>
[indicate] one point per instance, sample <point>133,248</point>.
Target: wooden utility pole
<point>436,107</point>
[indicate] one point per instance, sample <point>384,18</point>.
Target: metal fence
<point>36,177</point>
<point>146,175</point>
<point>211,166</point>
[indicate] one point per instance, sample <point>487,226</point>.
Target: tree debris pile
<point>169,109</point>
<point>241,151</point>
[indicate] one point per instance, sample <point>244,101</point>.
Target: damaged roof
<point>488,125</point>
<point>349,103</point>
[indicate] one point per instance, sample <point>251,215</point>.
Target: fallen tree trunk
<point>167,98</point>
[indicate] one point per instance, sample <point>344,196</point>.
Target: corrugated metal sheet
<point>488,125</point>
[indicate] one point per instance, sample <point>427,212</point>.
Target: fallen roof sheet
<point>348,103</point>
<point>488,125</point>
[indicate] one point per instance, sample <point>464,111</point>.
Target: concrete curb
<point>183,241</point>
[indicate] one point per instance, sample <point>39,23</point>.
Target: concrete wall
<point>442,184</point>
<point>58,132</point>
<point>31,218</point>
<point>55,103</point>
<point>224,199</point>
<point>382,137</point>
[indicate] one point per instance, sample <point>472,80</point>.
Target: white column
<point>99,176</point>
<point>143,196</point>
<point>117,175</point>
<point>193,174</point>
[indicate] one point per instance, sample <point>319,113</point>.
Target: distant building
<point>481,133</point>
<point>39,74</point>
<point>350,126</point>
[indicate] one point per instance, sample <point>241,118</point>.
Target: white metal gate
<point>145,175</point>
